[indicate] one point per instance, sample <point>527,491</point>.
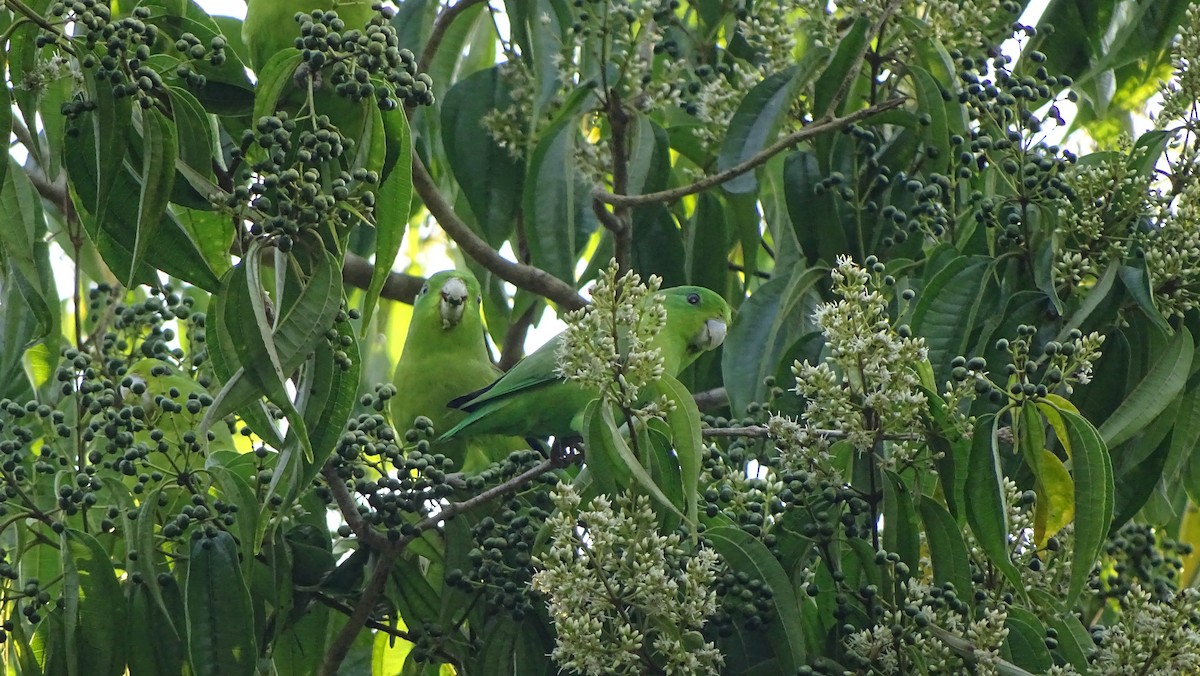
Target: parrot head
<point>697,317</point>
<point>448,293</point>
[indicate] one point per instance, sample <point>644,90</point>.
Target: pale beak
<point>711,335</point>
<point>454,301</point>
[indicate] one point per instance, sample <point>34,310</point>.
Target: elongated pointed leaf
<point>745,554</point>
<point>94,610</point>
<point>159,148</point>
<point>490,177</point>
<point>614,462</point>
<point>946,547</point>
<point>551,201</point>
<point>758,117</point>
<point>1092,471</point>
<point>391,216</point>
<point>1160,386</point>
<point>220,621</point>
<point>987,510</point>
<point>946,310</point>
<point>684,420</point>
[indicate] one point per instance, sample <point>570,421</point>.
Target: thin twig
<point>440,26</point>
<point>852,74</point>
<point>761,432</point>
<point>810,131</point>
<point>349,510</point>
<point>344,609</point>
<point>499,490</point>
<point>523,276</point>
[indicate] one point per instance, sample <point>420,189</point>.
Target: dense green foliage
<point>954,425</point>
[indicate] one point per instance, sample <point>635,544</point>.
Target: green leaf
<point>109,129</point>
<point>275,78</point>
<point>613,462</point>
<point>194,129</point>
<point>1160,386</point>
<point>931,103</point>
<point>6,115</point>
<point>745,554</point>
<point>900,532</point>
<point>159,148</point>
<point>1091,469</point>
<point>1137,282</point>
<point>220,621</point>
<point>391,216</point>
<point>1025,645</point>
<point>814,215</point>
<point>849,47</point>
<point>154,648</point>
<point>490,177</point>
<point>947,549</point>
<point>684,420</point>
<point>987,510</point>
<point>25,273</point>
<point>1074,641</point>
<point>94,607</point>
<point>775,316</point>
<point>707,244</point>
<point>264,367</point>
<point>551,201</point>
<point>658,247</point>
<point>759,116</point>
<point>946,310</point>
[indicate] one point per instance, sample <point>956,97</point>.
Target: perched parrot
<point>445,356</point>
<point>531,400</point>
<point>270,25</point>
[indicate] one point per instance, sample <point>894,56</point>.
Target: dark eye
<point>424,289</point>
<point>479,300</point>
<point>693,298</point>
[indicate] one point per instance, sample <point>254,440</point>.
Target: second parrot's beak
<point>710,336</point>
<point>454,301</point>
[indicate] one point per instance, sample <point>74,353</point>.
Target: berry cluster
<point>366,63</point>
<point>287,187</point>
<point>501,567</point>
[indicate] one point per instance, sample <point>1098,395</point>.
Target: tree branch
<point>759,159</point>
<point>524,276</point>
<point>440,26</point>
<point>356,271</point>
<point>362,612</point>
<point>514,340</point>
<point>619,221</point>
<point>349,510</point>
<point>710,399</point>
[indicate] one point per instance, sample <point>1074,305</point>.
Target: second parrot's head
<point>699,315</point>
<point>450,291</point>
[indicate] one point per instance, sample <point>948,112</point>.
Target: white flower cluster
<point>1172,254</point>
<point>867,387</point>
<point>625,599</point>
<point>606,345</point>
<point>1095,229</point>
<point>1182,92</point>
<point>1152,637</point>
<point>771,29</point>
<point>922,607</point>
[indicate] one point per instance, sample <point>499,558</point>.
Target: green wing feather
<point>532,400</point>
